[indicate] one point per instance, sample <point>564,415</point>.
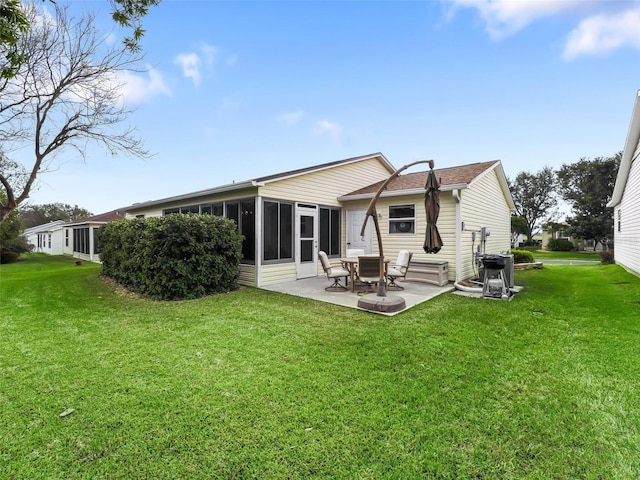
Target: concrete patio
<point>314,288</point>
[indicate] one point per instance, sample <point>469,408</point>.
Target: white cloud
<point>136,89</point>
<point>209,53</point>
<point>601,34</point>
<point>330,130</point>
<point>505,17</point>
<point>290,118</point>
<point>190,63</point>
<point>195,64</point>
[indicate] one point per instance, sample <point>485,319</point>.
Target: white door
<point>355,219</point>
<point>306,241</point>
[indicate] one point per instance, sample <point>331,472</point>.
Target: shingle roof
<point>462,175</point>
<point>102,217</point>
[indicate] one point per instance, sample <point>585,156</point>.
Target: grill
<point>495,283</point>
<point>494,262</point>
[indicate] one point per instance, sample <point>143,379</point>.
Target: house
<point>625,200</point>
<point>80,235</point>
<point>288,217</point>
<point>556,231</point>
<point>46,238</point>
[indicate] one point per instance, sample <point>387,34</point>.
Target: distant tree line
<point>586,186</point>
<point>12,241</point>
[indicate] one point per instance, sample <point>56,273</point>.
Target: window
<point>240,211</point>
<point>278,231</point>
<point>81,240</point>
<point>243,213</point>
<point>49,241</point>
<point>66,237</point>
<point>330,231</point>
<point>212,209</point>
<point>402,219</point>
<point>190,209</point>
<point>619,220</point>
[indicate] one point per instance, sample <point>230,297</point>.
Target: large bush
<point>557,245</point>
<point>172,257</point>
<point>522,256</point>
<point>12,242</point>
<point>607,257</point>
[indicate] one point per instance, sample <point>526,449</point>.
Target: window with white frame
<point>402,219</point>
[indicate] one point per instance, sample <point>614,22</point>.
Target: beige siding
<point>247,275</point>
<point>277,273</point>
<point>414,242</point>
<point>325,186</point>
<point>627,239</point>
<point>484,205</point>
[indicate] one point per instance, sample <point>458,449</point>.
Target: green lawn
<point>255,384</point>
<point>575,255</point>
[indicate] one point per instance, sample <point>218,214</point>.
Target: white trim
<point>321,168</point>
<point>457,198</point>
<point>630,146</point>
<point>259,239</point>
<point>400,193</point>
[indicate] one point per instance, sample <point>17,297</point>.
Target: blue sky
<point>239,89</point>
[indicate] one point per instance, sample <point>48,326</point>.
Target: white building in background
<point>626,199</point>
<point>47,238</point>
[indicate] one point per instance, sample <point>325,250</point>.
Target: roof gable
<point>630,147</point>
<point>107,217</point>
<point>261,181</point>
<point>449,178</point>
<point>324,166</point>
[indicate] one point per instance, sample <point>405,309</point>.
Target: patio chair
<point>369,271</point>
<point>333,273</point>
<point>399,270</point>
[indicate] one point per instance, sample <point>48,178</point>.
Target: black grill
<point>494,262</point>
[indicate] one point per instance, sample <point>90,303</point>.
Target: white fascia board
<point>188,196</point>
<point>502,179</point>
<point>385,162</point>
<point>400,193</point>
<point>630,146</point>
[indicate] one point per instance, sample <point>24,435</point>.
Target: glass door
<point>306,241</point>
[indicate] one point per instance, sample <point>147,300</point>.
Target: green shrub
<point>607,257</point>
<point>560,246</point>
<point>522,256</point>
<point>7,256</point>
<point>172,257</point>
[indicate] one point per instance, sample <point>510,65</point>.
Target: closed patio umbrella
<point>432,240</point>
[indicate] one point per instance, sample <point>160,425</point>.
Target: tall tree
<point>535,197</point>
<point>12,243</point>
<point>587,186</point>
<point>14,22</point>
<point>33,215</point>
<point>66,94</point>
<point>518,227</point>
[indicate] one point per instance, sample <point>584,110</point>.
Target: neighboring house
<point>288,217</point>
<point>555,231</point>
<point>46,238</point>
<point>625,200</point>
<point>80,235</point>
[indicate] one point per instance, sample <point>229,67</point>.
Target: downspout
<point>456,197</point>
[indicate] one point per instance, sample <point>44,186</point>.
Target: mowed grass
<point>574,255</point>
<point>255,384</point>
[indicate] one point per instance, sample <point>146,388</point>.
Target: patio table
<point>351,263</point>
